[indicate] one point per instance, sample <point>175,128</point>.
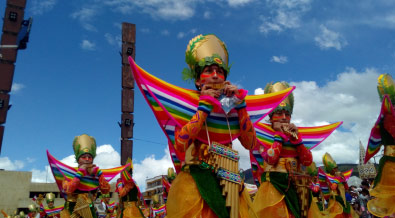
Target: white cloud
<point>180,35</point>
<point>145,30</point>
<point>88,45</point>
<point>158,9</point>
<point>85,16</point>
<point>7,164</point>
<point>330,39</point>
<point>284,14</point>
<point>165,32</point>
<point>113,40</point>
<point>244,162</point>
<point>259,91</point>
<point>341,99</point>
<point>39,7</point>
<point>151,167</point>
<point>279,59</point>
<point>207,15</point>
<point>238,3</point>
<point>16,87</point>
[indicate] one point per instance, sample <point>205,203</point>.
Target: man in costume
<point>337,182</point>
<point>128,194</point>
<point>33,211</point>
<point>383,133</point>
<point>51,211</point>
<point>283,159</point>
<point>79,185</point>
<point>207,58</point>
<point>201,125</point>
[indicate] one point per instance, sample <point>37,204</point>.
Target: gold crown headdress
<point>205,50</point>
<point>32,208</point>
<point>386,86</point>
<point>50,197</point>
<point>328,162</point>
<point>84,144</point>
<point>288,103</point>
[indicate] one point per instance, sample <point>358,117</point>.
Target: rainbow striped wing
<point>322,179</point>
<point>374,142</point>
<point>173,107</point>
<point>311,136</point>
<point>125,176</point>
<point>53,211</point>
<point>62,172</point>
<point>159,211</point>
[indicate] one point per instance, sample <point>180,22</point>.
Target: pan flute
<point>226,164</point>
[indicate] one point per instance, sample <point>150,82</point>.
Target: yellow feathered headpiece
<point>386,86</point>
<point>328,162</point>
<point>84,144</point>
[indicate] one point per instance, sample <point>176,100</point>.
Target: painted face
<point>212,74</point>
<point>85,159</point>
<point>50,204</point>
<point>281,116</point>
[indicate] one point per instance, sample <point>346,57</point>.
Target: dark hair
<point>365,191</point>
<point>365,183</point>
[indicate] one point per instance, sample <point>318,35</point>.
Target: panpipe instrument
<point>216,86</point>
<point>302,183</point>
<point>82,208</point>
<point>225,161</point>
<point>292,133</point>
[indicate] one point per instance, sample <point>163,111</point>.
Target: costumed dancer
<point>166,182</point>
<point>51,211</point>
<point>79,186</point>
<point>128,194</point>
<point>200,126</point>
<point>207,58</point>
<point>337,182</point>
<point>283,159</point>
<point>317,203</point>
<point>383,133</point>
<point>33,211</point>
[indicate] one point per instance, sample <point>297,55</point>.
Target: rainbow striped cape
<point>159,211</point>
<point>174,106</point>
<point>374,142</point>
<point>326,180</point>
<point>53,211</point>
<point>125,176</point>
<point>62,172</point>
<point>311,136</point>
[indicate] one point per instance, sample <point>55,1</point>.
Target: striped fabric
<point>311,136</point>
<point>174,107</point>
<point>374,142</point>
<point>160,211</point>
<point>53,211</point>
<point>125,176</point>
<point>61,172</point>
<point>326,179</point>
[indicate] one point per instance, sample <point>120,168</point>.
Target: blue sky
<point>68,80</point>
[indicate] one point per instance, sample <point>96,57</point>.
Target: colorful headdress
<point>32,208</point>
<point>288,103</point>
<point>22,214</point>
<point>312,169</point>
<point>204,50</point>
<point>129,168</point>
<point>155,199</point>
<point>386,86</point>
<point>328,162</point>
<point>84,144</point>
<point>170,173</point>
<point>50,197</point>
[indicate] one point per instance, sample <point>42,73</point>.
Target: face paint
<point>208,75</point>
<point>281,117</point>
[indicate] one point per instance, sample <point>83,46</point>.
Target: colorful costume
<point>383,133</point>
<point>129,194</point>
<point>51,211</point>
<point>337,185</point>
<point>79,186</point>
<point>197,123</point>
<point>277,162</point>
<point>33,212</point>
